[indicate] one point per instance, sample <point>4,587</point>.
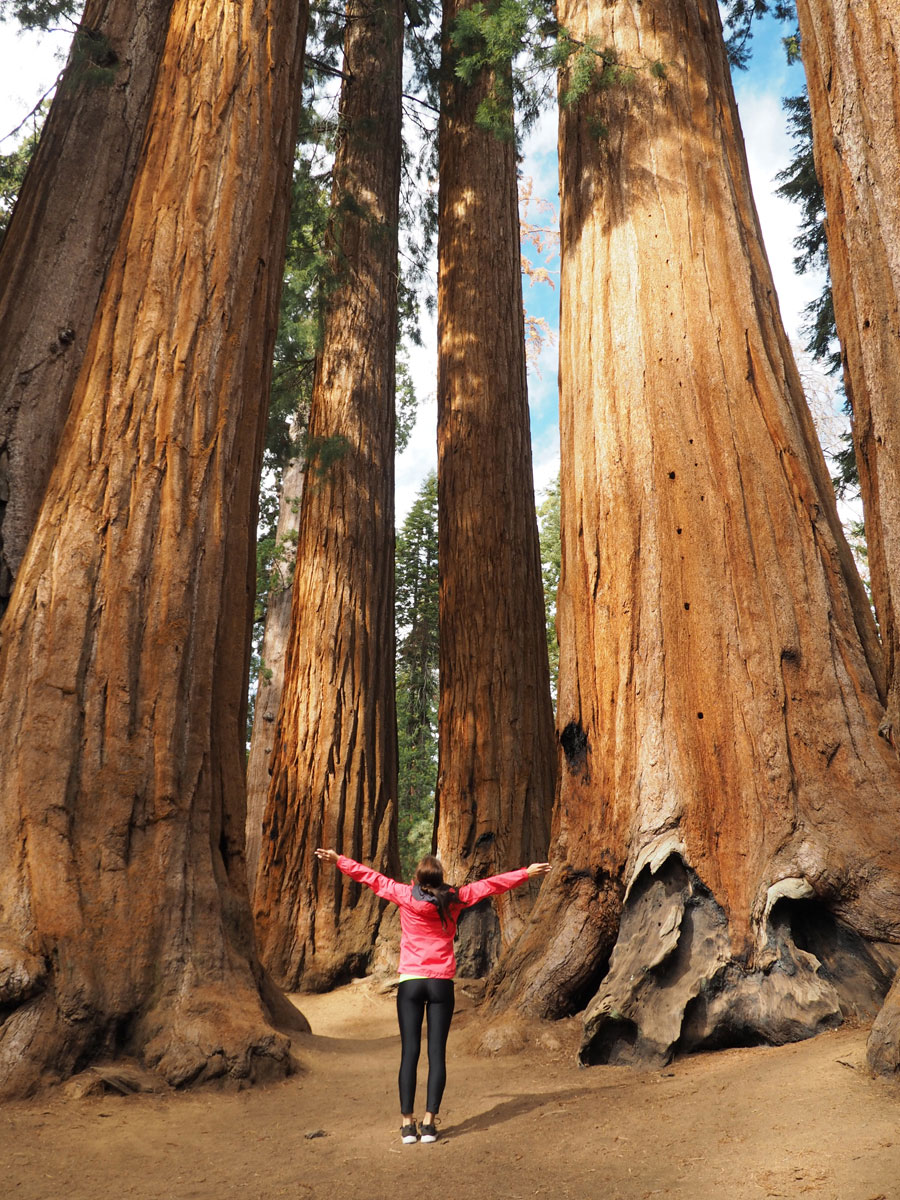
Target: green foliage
<point>302,297</point>
<point>846,478</point>
<point>551,568</point>
<point>12,171</point>
<point>406,402</point>
<point>792,48</point>
<point>519,47</point>
<point>321,454</point>
<point>738,17</point>
<point>92,60</point>
<point>417,778</point>
<point>800,184</point>
<point>39,14</point>
<point>310,274</point>
<point>581,76</point>
<point>417,674</point>
<point>487,38</point>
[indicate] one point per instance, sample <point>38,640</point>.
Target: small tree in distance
<point>417,674</point>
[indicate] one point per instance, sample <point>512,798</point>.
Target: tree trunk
<point>126,924</point>
<point>334,767</point>
<point>723,786</point>
<point>60,239</point>
<point>496,768</point>
<point>853,79</point>
<point>271,674</point>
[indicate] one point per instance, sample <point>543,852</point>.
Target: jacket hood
<point>419,894</point>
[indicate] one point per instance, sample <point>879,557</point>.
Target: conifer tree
<point>496,756</point>
<point>417,674</point>
<point>123,655</point>
<point>726,811</point>
<point>334,762</point>
<point>59,241</point>
<point>855,139</point>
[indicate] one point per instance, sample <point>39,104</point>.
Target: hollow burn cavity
<point>699,1033</point>
<point>574,742</point>
<point>844,957</point>
<point>583,993</point>
<point>615,1043</point>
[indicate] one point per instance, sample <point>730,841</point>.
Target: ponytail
<point>430,878</point>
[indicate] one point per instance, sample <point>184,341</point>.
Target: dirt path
<point>799,1121</point>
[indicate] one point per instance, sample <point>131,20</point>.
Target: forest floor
<point>798,1121</point>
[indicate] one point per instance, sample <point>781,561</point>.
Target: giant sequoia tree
<point>727,821</point>
<point>60,240</point>
<point>496,757</point>
<point>123,654</point>
<point>334,766</point>
<point>853,78</point>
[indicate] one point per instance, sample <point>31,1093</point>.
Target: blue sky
<point>28,66</point>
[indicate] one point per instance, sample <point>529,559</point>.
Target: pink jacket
<point>425,947</point>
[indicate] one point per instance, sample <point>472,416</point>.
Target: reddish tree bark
<point>496,768</point>
<point>123,658</point>
<point>58,245</point>
<point>334,766</point>
<point>853,79</point>
<point>726,825</point>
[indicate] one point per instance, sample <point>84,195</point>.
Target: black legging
<point>413,997</point>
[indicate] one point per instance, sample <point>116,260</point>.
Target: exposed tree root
<point>675,983</point>
<point>206,1033</point>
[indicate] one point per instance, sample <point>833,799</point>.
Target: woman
<point>429,910</point>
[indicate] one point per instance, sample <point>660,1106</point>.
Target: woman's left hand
<point>328,855</point>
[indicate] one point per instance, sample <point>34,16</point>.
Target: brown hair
<point>430,878</point>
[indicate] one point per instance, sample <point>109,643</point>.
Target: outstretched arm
<point>388,889</point>
<point>471,893</point>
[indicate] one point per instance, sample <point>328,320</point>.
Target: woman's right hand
<point>328,855</point>
<point>538,869</point>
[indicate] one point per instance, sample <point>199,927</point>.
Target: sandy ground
<point>798,1121</point>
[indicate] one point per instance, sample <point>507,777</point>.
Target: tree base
<point>555,965</point>
<point>208,1034</point>
<point>883,1046</point>
<point>477,940</point>
<point>675,985</point>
